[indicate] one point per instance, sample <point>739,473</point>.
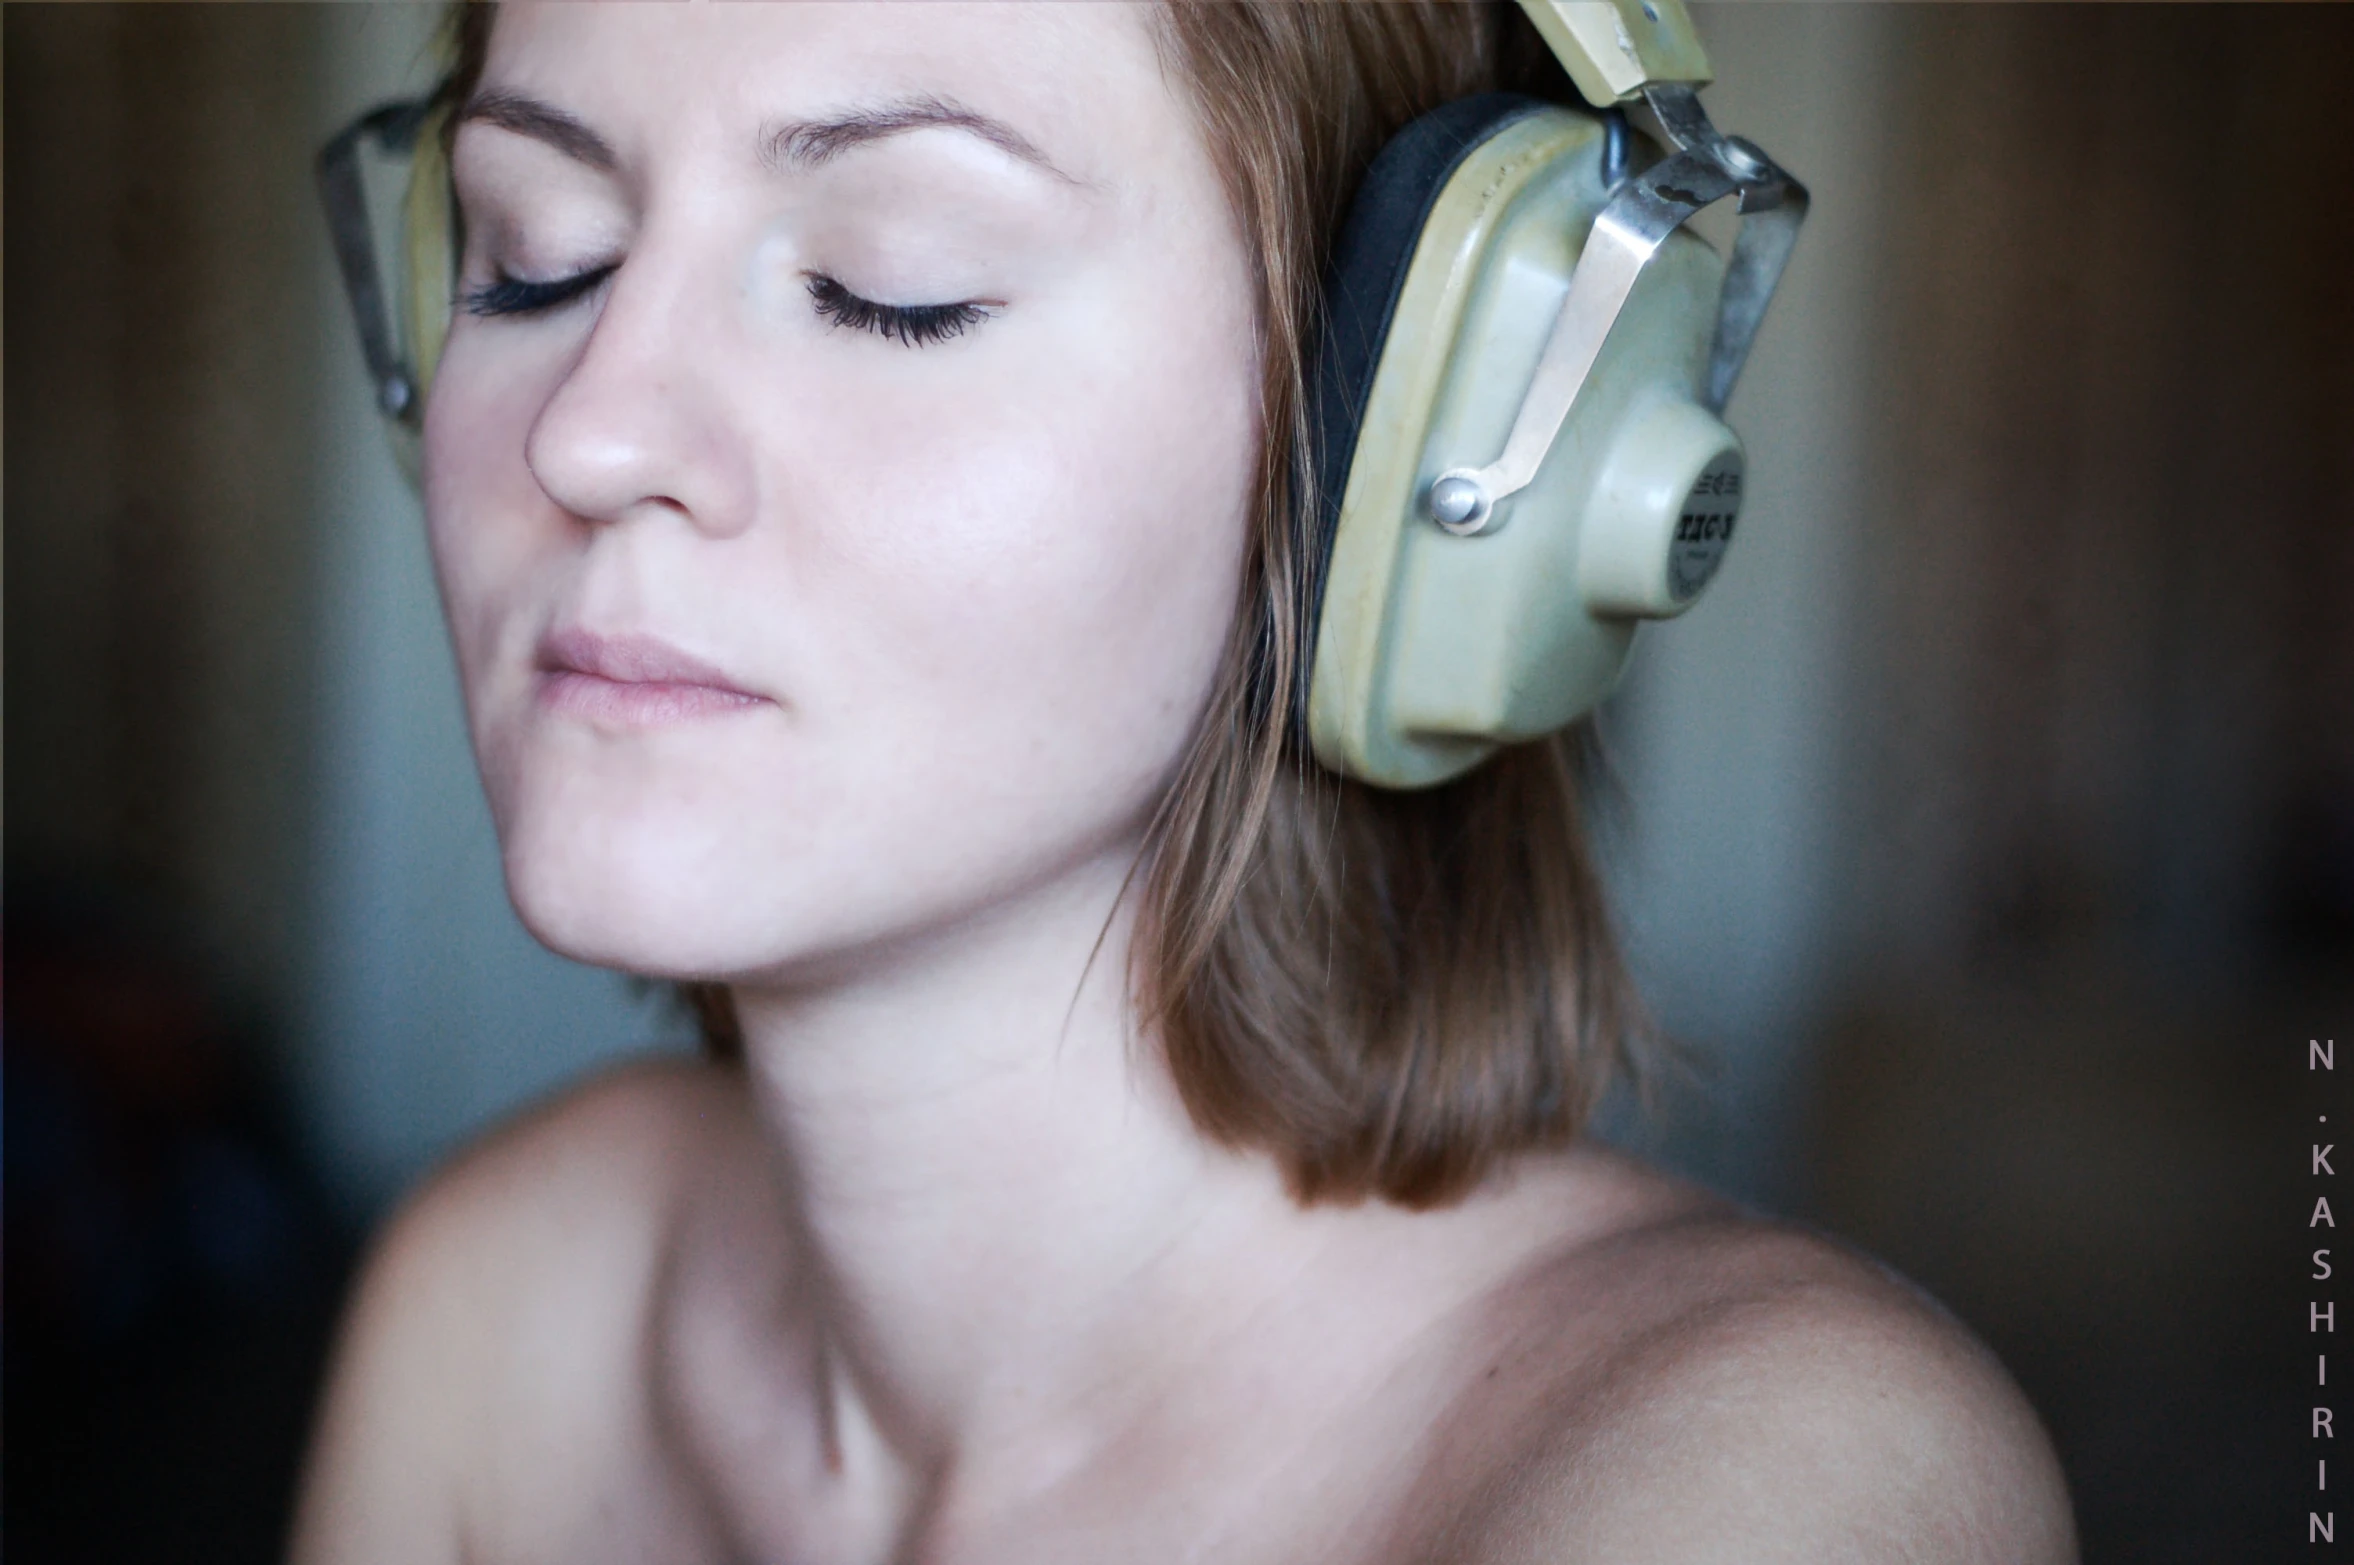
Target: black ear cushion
<point>1362,283</point>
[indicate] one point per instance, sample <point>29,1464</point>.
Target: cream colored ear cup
<point>1435,648</point>
<point>428,253</point>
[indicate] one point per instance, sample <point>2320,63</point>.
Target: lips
<point>633,682</point>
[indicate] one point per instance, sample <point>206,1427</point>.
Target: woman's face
<point>838,470</point>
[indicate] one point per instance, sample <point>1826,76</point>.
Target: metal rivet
<point>1459,504</point>
<point>1743,160</point>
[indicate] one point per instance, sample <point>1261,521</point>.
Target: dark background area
<point>2010,771</point>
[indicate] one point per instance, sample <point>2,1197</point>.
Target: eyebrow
<point>811,143</point>
<point>803,144</point>
<point>542,122</point>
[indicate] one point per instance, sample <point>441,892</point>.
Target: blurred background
<point>1987,834</point>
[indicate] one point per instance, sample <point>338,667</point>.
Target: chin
<point>710,895</point>
<point>731,857</point>
<point>658,896</point>
<point>598,913</point>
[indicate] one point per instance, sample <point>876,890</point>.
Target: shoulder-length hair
<point>1389,993</point>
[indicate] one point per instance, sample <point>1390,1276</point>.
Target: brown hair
<point>1389,993</point>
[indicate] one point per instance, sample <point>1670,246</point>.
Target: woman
<point>856,476</point>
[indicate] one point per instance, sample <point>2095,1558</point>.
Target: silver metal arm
<point>1704,168</point>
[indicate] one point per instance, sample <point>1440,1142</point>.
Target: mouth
<point>633,682</point>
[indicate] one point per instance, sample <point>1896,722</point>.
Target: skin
<point>945,1274</point>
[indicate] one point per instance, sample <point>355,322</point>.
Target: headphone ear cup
<point>428,255</point>
<point>1363,281</point>
<point>1431,649</point>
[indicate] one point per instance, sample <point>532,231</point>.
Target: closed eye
<point>914,325</point>
<point>505,295</point>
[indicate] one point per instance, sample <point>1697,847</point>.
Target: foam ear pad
<point>1362,283</point>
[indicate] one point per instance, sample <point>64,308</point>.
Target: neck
<point>1012,1224</point>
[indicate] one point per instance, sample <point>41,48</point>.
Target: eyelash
<point>505,295</point>
<point>913,325</point>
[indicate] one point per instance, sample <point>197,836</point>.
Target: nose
<point>638,426</point>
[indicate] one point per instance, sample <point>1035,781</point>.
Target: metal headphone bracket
<point>393,127</point>
<point>1704,168</point>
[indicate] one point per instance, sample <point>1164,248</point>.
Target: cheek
<point>1067,533</point>
<point>495,536</point>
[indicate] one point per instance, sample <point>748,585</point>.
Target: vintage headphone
<point>1519,453</point>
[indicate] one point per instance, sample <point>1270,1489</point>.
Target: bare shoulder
<point>490,1344</point>
<point>1717,1387</point>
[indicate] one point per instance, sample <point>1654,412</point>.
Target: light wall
<point>1728,732</point>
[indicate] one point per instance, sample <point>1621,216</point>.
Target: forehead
<point>1081,82</point>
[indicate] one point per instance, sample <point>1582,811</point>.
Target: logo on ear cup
<point>1663,512</point>
<point>1704,526</point>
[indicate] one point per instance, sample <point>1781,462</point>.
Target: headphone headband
<point>1613,49</point>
